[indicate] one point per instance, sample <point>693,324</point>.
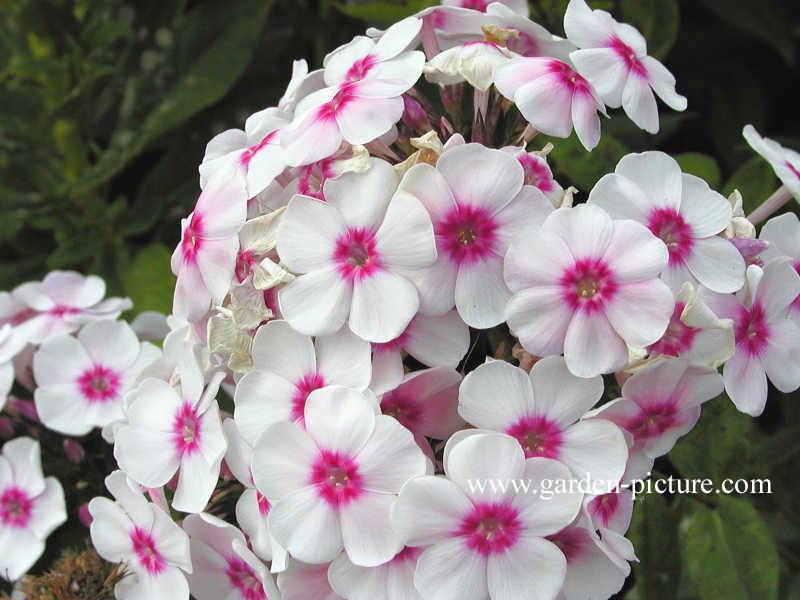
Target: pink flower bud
<point>414,116</point>
<point>74,451</point>
<point>84,515</point>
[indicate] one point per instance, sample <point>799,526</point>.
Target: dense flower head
<point>384,295</point>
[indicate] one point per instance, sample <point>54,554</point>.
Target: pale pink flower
<point>255,152</point>
<point>252,507</point>
<point>354,255</point>
<point>205,259</point>
<point>486,544</point>
<point>301,84</point>
<point>133,531</point>
<point>784,161</point>
<point>31,507</point>
<point>223,566</point>
<point>392,580</point>
<point>695,333</point>
<point>683,211</point>
<point>596,549</point>
<point>59,304</point>
<point>10,346</point>
<point>440,341</point>
<point>553,97</point>
<point>613,57</point>
<point>168,433</point>
<point>544,412</point>
<point>426,403</point>
<point>332,484</point>
<point>365,80</point>
<point>783,235</point>
<point>588,286</point>
<point>767,341</point>
<point>302,581</point>
<point>287,367</point>
<point>475,217</point>
<point>81,380</point>
<point>660,404</point>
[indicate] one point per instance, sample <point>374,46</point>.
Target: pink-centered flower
<point>613,58</point>
<point>537,173</point>
<point>767,341</point>
<point>486,544</point>
<point>205,259</point>
<point>287,367</point>
<point>426,403</point>
<point>133,531</point>
<point>683,211</point>
<point>59,304</point>
<point>588,286</point>
<point>252,507</point>
<point>365,80</point>
<point>223,566</point>
<point>474,218</point>
<point>660,404</point>
<point>518,6</point>
<point>332,484</point>
<point>167,433</point>
<point>784,161</point>
<point>355,255</point>
<point>782,233</point>
<point>393,579</point>
<point>440,341</point>
<point>31,507</point>
<point>553,97</point>
<point>544,412</point>
<point>81,380</point>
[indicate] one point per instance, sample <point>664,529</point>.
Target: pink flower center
<point>406,410</point>
<point>674,231</point>
<point>99,384</point>
<point>16,508</point>
<point>795,305</point>
<point>474,4</point>
<point>247,154</point>
<point>192,238</point>
<point>490,528</point>
<point>355,254</point>
<point>569,78</point>
<point>245,261</point>
<point>344,95</point>
<point>336,477</point>
<point>538,436</point>
<point>627,54</point>
<point>144,547</point>
<point>467,233</point>
<point>307,384</point>
<point>678,337</point>
<point>751,330</point>
<point>359,69</point>
<point>263,504</point>
<point>604,507</point>
<point>537,173</point>
<point>571,541</point>
<point>186,430</point>
<point>653,419</point>
<point>407,554</point>
<point>63,311</point>
<point>244,579</point>
<point>588,285</point>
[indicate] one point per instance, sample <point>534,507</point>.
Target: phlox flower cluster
<point>309,427</point>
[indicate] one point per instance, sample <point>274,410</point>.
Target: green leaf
<point>657,20</point>
<point>729,553</point>
<point>701,165</point>
<point>755,179</point>
<point>384,12</point>
<point>148,280</point>
<point>718,447</point>
<point>208,79</point>
<point>766,20</point>
<point>654,533</point>
<point>585,168</point>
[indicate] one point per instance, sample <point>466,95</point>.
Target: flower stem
<point>769,206</point>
